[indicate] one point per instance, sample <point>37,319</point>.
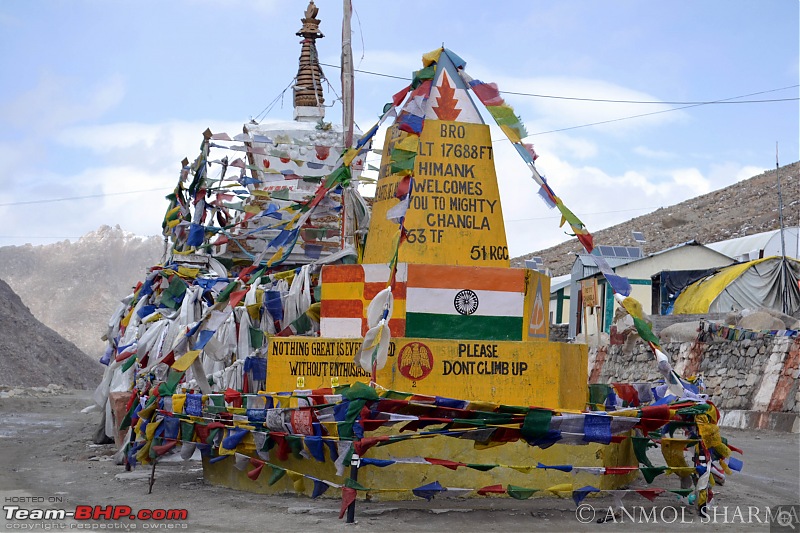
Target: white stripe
<point>440,302</point>
<point>380,273</point>
<point>340,327</point>
<point>771,373</point>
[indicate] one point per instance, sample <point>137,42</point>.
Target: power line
<point>584,214</point>
<point>52,200</point>
<point>724,101</point>
<point>611,101</point>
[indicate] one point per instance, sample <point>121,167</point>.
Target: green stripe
<point>472,327</point>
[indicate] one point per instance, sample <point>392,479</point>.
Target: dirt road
<point>47,462</point>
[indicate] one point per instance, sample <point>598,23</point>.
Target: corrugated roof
<point>735,248</point>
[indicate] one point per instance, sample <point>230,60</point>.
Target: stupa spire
<point>308,99</point>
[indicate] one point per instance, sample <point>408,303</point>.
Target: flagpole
<point>347,75</point>
<point>784,286</point>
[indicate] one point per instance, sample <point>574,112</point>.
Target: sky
<point>100,101</point>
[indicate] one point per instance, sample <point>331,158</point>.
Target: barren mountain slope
<point>745,208</point>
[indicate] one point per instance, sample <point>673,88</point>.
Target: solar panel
<point>638,236</point>
<point>624,252</point>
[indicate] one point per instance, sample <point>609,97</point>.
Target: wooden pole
<point>351,509</point>
<point>347,75</point>
<point>599,325</point>
<point>586,324</point>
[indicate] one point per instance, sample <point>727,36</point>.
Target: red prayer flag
<point>452,465</point>
<point>254,473</point>
<point>492,489</point>
<point>236,297</point>
<point>398,98</point>
<point>650,494</point>
<point>348,497</point>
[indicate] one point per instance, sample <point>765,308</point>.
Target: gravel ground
<point>49,462</point>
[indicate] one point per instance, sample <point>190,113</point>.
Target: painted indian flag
<point>470,303</point>
<point>347,291</point>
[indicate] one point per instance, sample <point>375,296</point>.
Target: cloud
<point>653,154</point>
<point>58,101</point>
<point>600,199</point>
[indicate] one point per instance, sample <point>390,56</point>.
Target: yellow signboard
<point>454,217</point>
<point>589,291</point>
<point>519,373</point>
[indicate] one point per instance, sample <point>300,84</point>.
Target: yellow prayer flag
<point>633,307</point>
<point>349,155</point>
<point>511,133</point>
<point>185,361</point>
<point>559,489</point>
<point>127,318</point>
<point>297,481</point>
<point>178,401</point>
<point>150,430</point>
<point>431,57</point>
<point>672,450</point>
<point>409,143</point>
<point>188,272</point>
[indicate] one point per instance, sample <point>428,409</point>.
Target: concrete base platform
<point>410,476</point>
<point>788,422</point>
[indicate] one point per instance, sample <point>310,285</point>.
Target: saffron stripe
<point>371,289</point>
<point>342,308</point>
<point>432,326</point>
<point>459,277</point>
<point>356,309</point>
<point>342,273</point>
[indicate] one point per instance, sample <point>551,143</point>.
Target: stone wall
<point>751,375</point>
<point>559,332</point>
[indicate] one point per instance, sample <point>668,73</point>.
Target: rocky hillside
<point>33,355</point>
<point>75,287</point>
<point>745,208</point>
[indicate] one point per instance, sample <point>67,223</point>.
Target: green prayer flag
<point>520,493</point>
<point>481,467</point>
<point>640,445</point>
<point>173,294</point>
<point>398,166</point>
<point>598,392</point>
<point>352,484</point>
<point>128,363</point>
<point>340,176</point>
<point>187,430</point>
<point>168,387</point>
<point>269,443</point>
<point>226,292</point>
<point>682,492</point>
<point>396,395</point>
<point>536,423</point>
<point>277,473</point>
<point>650,473</point>
<point>256,338</point>
<point>359,391</point>
<point>645,331</point>
<point>295,444</point>
<point>212,435</point>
